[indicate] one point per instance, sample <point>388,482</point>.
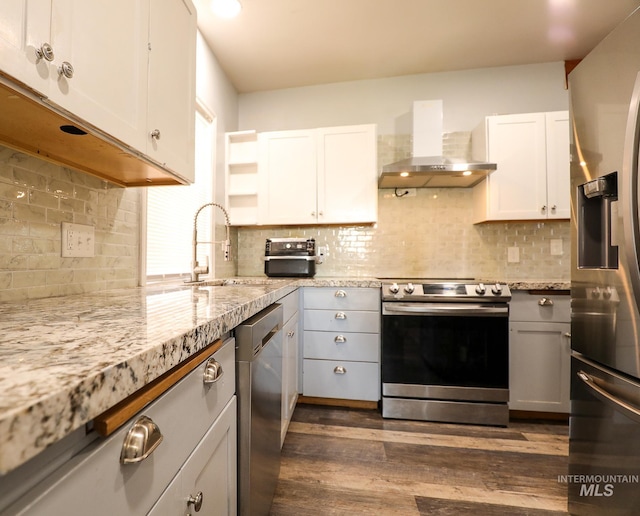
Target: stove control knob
<point>481,290</point>
<point>409,288</point>
<point>496,290</point>
<point>394,289</point>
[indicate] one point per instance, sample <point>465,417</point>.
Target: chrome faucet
<point>196,268</point>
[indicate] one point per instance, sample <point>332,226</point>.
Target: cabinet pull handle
<point>65,70</point>
<point>568,335</point>
<point>155,134</point>
<point>341,315</point>
<point>340,370</point>
<point>340,293</point>
<point>196,501</point>
<point>141,440</point>
<point>45,52</point>
<point>340,339</point>
<point>545,301</point>
<point>212,371</point>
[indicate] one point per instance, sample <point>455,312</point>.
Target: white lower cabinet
<point>206,483</point>
<point>539,352</point>
<point>341,343</point>
<point>290,359</point>
<point>198,426</point>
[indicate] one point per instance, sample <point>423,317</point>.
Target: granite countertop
<point>63,361</point>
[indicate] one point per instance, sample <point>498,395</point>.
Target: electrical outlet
<point>556,246</point>
<point>513,254</point>
<point>78,240</point>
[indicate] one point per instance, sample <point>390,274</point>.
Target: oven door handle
<point>460,309</point>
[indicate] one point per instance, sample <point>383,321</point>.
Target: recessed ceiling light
<point>404,174</point>
<point>226,8</point>
<point>467,173</point>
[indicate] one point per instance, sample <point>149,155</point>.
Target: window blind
<point>171,211</point>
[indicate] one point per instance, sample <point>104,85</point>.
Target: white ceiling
<point>277,44</point>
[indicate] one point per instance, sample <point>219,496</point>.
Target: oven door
<point>446,345</point>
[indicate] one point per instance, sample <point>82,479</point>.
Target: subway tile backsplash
<point>35,198</point>
<point>429,235</point>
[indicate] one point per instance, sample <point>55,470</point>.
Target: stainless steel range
<point>445,351</point>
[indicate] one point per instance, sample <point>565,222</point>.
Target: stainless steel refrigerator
<point>604,450</point>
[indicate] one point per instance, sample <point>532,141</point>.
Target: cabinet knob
<point>340,339</point>
<point>340,370</point>
<point>291,334</point>
<point>568,335</point>
<point>45,52</point>
<point>340,293</point>
<point>212,371</point>
<point>155,134</point>
<point>553,208</point>
<point>545,301</point>
<point>341,315</point>
<point>141,440</point>
<point>544,209</point>
<point>196,501</point>
<point>65,70</point>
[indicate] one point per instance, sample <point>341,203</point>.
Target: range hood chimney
<point>428,168</point>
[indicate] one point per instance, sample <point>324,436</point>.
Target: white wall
<point>219,96</point>
<point>468,96</point>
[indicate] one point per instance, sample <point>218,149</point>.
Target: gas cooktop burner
<point>441,289</point>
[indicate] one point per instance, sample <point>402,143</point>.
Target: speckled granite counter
<point>65,360</point>
<point>539,285</point>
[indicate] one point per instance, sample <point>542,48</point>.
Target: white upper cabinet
<point>347,174</point>
<point>318,176</point>
<point>532,179</point>
<point>558,162</point>
<point>120,68</point>
<point>288,171</point>
<point>172,93</point>
<point>70,52</point>
<point>105,44</point>
<point>25,28</point>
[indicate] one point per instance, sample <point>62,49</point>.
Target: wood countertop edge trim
<point>112,419</point>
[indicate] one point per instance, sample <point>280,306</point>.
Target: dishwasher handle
<point>256,332</point>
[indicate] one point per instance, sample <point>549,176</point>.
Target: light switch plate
<point>78,240</point>
<point>513,254</point>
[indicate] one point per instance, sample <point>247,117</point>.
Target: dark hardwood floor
<point>339,461</point>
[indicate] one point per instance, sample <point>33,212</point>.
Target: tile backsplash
<point>35,198</point>
<point>429,235</point>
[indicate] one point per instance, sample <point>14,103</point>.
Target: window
<point>171,211</point>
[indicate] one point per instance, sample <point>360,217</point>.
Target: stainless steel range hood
<point>434,172</point>
<point>428,168</point>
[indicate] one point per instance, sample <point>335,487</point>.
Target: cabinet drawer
<point>94,482</point>
<point>547,307</point>
<point>360,381</point>
<point>289,305</point>
<point>337,298</point>
<point>358,347</point>
<point>339,321</point>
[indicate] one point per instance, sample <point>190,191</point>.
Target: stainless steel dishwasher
<point>259,391</point>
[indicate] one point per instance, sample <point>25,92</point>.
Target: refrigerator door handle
<point>622,406</point>
<point>630,200</point>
